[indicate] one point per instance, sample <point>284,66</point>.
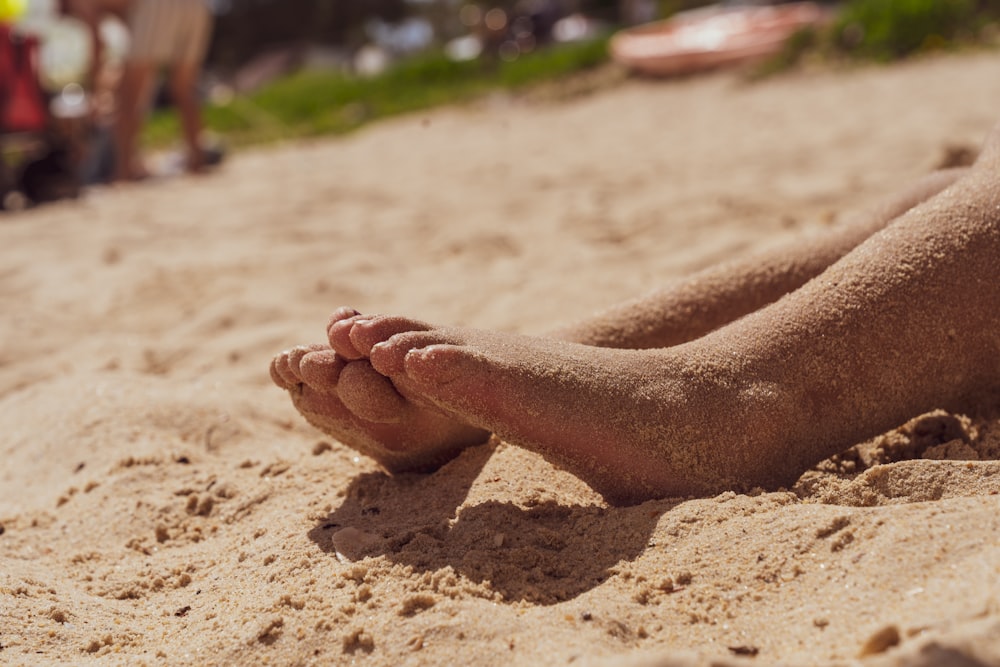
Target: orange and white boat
<point>711,37</point>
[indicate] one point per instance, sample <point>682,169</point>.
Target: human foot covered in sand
<point>338,392</point>
<point>716,383</point>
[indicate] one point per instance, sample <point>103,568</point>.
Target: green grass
<point>322,103</point>
<point>889,30</point>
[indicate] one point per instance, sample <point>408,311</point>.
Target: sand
<point>162,503</point>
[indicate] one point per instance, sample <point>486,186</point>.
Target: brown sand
<point>162,503</point>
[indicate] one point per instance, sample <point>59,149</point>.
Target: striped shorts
<point>169,32</point>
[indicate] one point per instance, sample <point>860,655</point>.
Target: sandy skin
<point>743,376</point>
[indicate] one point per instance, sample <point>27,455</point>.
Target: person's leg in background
<point>194,27</point>
<point>172,33</point>
<point>134,93</point>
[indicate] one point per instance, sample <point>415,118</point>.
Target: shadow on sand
<point>544,554</point>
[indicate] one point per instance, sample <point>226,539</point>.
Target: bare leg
<point>363,409</point>
<point>721,294</point>
<point>906,322</point>
<point>183,84</point>
<point>135,89</point>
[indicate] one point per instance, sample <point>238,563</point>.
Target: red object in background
<point>713,36</point>
<point>22,104</point>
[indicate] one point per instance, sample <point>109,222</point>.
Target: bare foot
<point>343,396</point>
<point>755,403</point>
<point>633,424</point>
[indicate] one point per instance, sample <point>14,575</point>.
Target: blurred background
<point>330,42</point>
<point>297,67</point>
<point>280,69</point>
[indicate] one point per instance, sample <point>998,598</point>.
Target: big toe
<point>388,356</point>
<point>452,376</point>
<point>369,394</point>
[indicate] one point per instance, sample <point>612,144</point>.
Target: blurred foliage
<point>799,45</point>
<point>331,102</point>
<point>316,103</point>
<point>887,29</point>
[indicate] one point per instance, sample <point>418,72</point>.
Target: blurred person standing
<point>171,34</point>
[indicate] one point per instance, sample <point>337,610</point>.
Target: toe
<point>321,369</point>
<point>369,394</point>
<point>445,367</point>
<point>297,353</point>
<point>387,357</point>
<point>281,373</point>
<point>275,376</point>
<point>339,336</point>
<point>322,410</point>
<point>367,333</point>
<point>342,313</point>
